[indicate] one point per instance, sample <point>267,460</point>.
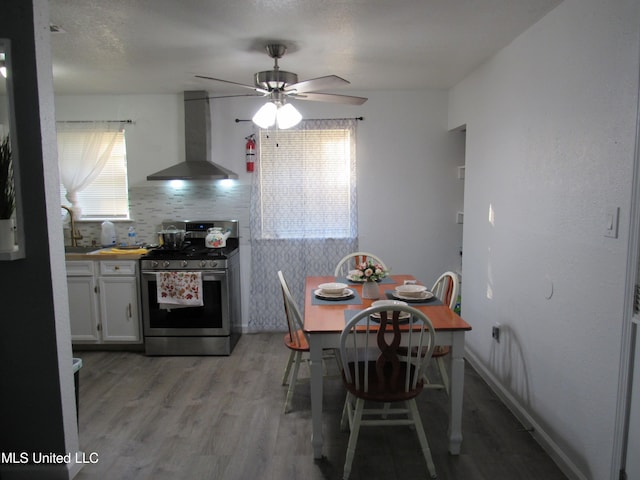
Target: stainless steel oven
<point>211,329</point>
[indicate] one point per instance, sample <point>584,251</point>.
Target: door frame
<point>630,322</point>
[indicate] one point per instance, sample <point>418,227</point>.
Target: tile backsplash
<point>151,205</point>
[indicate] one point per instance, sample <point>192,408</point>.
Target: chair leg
<point>336,354</point>
<point>292,382</point>
<point>443,373</point>
<point>353,438</point>
<point>285,377</point>
<point>344,420</point>
<point>442,370</point>
<point>422,438</point>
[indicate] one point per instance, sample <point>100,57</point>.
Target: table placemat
<point>355,300</point>
<point>433,301</point>
<point>349,314</point>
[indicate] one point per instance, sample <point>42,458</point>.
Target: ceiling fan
<point>278,84</point>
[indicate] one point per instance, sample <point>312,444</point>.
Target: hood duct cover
<point>197,139</point>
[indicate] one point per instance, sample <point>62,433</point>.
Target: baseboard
<point>568,467</point>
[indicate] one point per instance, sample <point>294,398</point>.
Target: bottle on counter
<point>131,237</point>
<point>108,234</point>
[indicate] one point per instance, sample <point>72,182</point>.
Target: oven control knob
<point>213,264</point>
<point>166,264</point>
<point>184,263</point>
<point>154,263</point>
<point>203,263</point>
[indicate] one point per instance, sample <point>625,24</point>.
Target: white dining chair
<point>348,262</point>
<point>297,341</point>
<point>446,288</point>
<point>382,364</point>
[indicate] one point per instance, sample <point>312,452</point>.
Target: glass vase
<point>370,290</point>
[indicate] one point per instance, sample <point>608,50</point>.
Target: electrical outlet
<point>495,332</point>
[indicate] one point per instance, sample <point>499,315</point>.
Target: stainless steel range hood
<point>197,139</point>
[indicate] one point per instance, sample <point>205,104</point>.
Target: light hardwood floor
<point>220,418</point>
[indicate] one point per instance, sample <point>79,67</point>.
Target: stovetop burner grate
<point>193,251</point>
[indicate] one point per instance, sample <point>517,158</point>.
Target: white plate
<point>346,293</point>
<point>386,303</point>
<point>402,316</point>
<point>355,279</point>
<point>427,295</point>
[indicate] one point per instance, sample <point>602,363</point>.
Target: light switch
<point>612,214</point>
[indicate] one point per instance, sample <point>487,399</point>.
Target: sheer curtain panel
<point>83,150</point>
<point>303,211</point>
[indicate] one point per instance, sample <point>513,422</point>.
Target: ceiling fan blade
<point>252,87</point>
<point>227,96</point>
<point>330,97</point>
<point>315,84</point>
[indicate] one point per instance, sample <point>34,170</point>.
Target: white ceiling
<point>157,46</point>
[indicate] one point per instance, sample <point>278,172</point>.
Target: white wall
<point>408,191</point>
<point>37,406</point>
<point>550,146</point>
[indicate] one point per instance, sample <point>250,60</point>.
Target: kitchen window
<point>93,169</point>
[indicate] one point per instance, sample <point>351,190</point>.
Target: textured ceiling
<point>157,46</point>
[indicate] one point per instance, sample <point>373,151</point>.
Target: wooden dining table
<point>325,320</point>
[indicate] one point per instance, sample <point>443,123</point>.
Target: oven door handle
<point>214,272</point>
<point>207,272</point>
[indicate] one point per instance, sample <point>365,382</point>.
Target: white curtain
<point>83,151</point>
<point>296,257</point>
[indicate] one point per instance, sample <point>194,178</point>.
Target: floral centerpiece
<point>368,271</point>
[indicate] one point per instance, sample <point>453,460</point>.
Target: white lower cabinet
<point>83,309</point>
<point>103,301</point>
<point>119,309</point>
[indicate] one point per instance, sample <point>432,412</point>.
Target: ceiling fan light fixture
<point>266,116</point>
<point>287,116</point>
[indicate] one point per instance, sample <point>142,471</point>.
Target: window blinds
<point>306,183</point>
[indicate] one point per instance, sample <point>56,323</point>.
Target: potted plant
<point>7,197</point>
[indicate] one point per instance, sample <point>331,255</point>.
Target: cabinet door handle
<point>117,267</point>
<point>130,313</point>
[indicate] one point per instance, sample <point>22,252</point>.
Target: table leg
<point>455,394</point>
<point>315,347</point>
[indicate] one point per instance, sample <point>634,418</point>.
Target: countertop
<point>106,254</point>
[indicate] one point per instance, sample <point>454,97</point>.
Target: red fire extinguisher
<point>250,152</point>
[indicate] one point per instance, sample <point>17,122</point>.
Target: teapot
<point>215,238</point>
